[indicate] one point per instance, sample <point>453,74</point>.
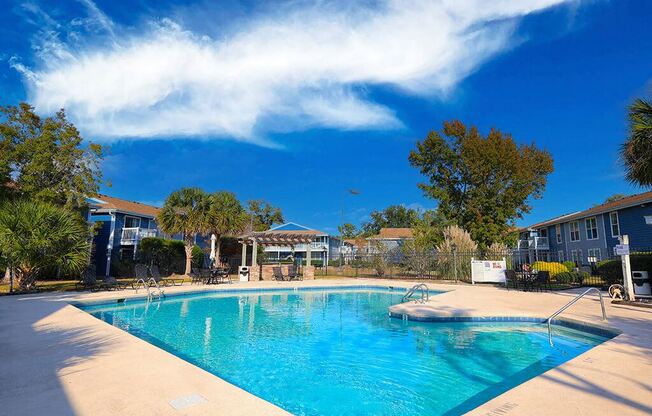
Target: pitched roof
<point>393,233</point>
<point>294,228</point>
<point>626,202</point>
<point>123,205</point>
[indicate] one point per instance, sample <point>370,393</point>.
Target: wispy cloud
<point>300,67</point>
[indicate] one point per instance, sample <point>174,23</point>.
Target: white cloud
<point>302,67</point>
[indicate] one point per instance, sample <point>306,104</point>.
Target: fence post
<point>455,263</point>
<point>627,269</point>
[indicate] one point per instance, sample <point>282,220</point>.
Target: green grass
<point>62,285</point>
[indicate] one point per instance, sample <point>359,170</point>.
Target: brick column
<point>309,273</point>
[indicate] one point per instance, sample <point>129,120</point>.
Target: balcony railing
<point>133,235</point>
<point>534,243</point>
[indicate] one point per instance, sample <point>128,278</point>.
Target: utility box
<point>642,285</point>
<point>243,273</point>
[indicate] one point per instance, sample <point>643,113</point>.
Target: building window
<point>591,228</point>
<point>132,222</point>
<point>574,257</point>
<point>574,231</point>
<point>594,255</point>
<point>558,232</point>
<point>560,256</point>
<point>615,225</point>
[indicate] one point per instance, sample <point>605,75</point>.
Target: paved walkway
<point>58,360</point>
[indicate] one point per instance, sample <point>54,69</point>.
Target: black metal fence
<point>585,269</point>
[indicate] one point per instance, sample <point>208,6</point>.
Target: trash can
<point>243,273</point>
<point>641,280</point>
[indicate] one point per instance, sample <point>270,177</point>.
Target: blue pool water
<point>336,352</point>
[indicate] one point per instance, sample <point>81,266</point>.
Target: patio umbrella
<point>212,256</point>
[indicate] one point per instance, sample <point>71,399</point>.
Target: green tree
<point>637,150</point>
<point>226,217</point>
<point>36,235</point>
<point>264,215</point>
<point>614,197</point>
<point>482,183</point>
<point>43,158</point>
<point>394,216</point>
<point>348,230</point>
<point>185,212</point>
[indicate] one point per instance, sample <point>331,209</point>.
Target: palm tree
<point>185,212</point>
<point>37,236</point>
<point>226,216</point>
<point>637,150</point>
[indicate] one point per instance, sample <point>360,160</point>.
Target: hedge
<point>552,267</point>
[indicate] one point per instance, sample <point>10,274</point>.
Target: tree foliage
<point>226,217</point>
<point>482,183</point>
<point>43,158</point>
<point>394,216</point>
<point>348,230</point>
<point>185,212</point>
<point>35,236</point>
<point>263,215</point>
<point>637,150</point>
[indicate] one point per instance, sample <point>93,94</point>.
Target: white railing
<point>539,243</point>
<point>133,235</point>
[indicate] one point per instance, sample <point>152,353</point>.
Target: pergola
<point>272,238</point>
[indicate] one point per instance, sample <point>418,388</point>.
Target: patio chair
<point>195,276</point>
<point>156,275</point>
<point>542,280</point>
<point>293,273</point>
<point>88,279</point>
<point>140,273</point>
<point>222,275</point>
<point>278,273</point>
<point>206,276</point>
<point>512,279</point>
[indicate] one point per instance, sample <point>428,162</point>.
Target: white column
<point>109,246</point>
<point>627,270</point>
<point>254,254</point>
<point>243,262</point>
<point>308,254</point>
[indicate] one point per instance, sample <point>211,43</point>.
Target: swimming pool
<point>336,351</point>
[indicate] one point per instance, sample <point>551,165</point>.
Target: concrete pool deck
<point>58,360</point>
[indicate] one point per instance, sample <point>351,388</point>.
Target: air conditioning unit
<point>641,280</point>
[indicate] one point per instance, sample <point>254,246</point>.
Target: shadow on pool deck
<point>37,354</point>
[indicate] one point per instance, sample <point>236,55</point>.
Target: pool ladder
<point>149,284</point>
<point>569,304</point>
<point>425,293</point>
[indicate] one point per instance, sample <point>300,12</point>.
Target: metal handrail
<point>425,292</point>
<point>147,285</point>
<point>569,304</point>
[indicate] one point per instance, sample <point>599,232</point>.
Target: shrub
<point>197,256</point>
<point>168,255</point>
<point>570,265</point>
<point>449,265</point>
<point>565,277</point>
<point>553,268</point>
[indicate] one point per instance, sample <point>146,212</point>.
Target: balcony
<point>132,236</point>
<point>534,243</point>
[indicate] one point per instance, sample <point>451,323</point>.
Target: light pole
<point>352,192</point>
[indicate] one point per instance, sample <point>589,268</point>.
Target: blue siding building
<point>122,225</point>
<point>589,236</point>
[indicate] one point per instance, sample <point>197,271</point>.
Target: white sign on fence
<point>488,271</point>
<point>621,250</point>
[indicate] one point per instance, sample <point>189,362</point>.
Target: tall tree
<point>637,150</point>
<point>482,183</point>
<point>348,230</point>
<point>35,236</point>
<point>264,215</point>
<point>226,217</point>
<point>185,212</point>
<point>44,158</point>
<point>394,216</point>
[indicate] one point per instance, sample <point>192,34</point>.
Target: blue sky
<point>296,102</point>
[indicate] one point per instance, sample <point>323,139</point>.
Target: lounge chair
<point>88,279</point>
<point>140,273</point>
<point>278,273</point>
<point>156,275</point>
<point>195,275</point>
<point>110,282</point>
<point>293,273</point>
<point>206,276</point>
